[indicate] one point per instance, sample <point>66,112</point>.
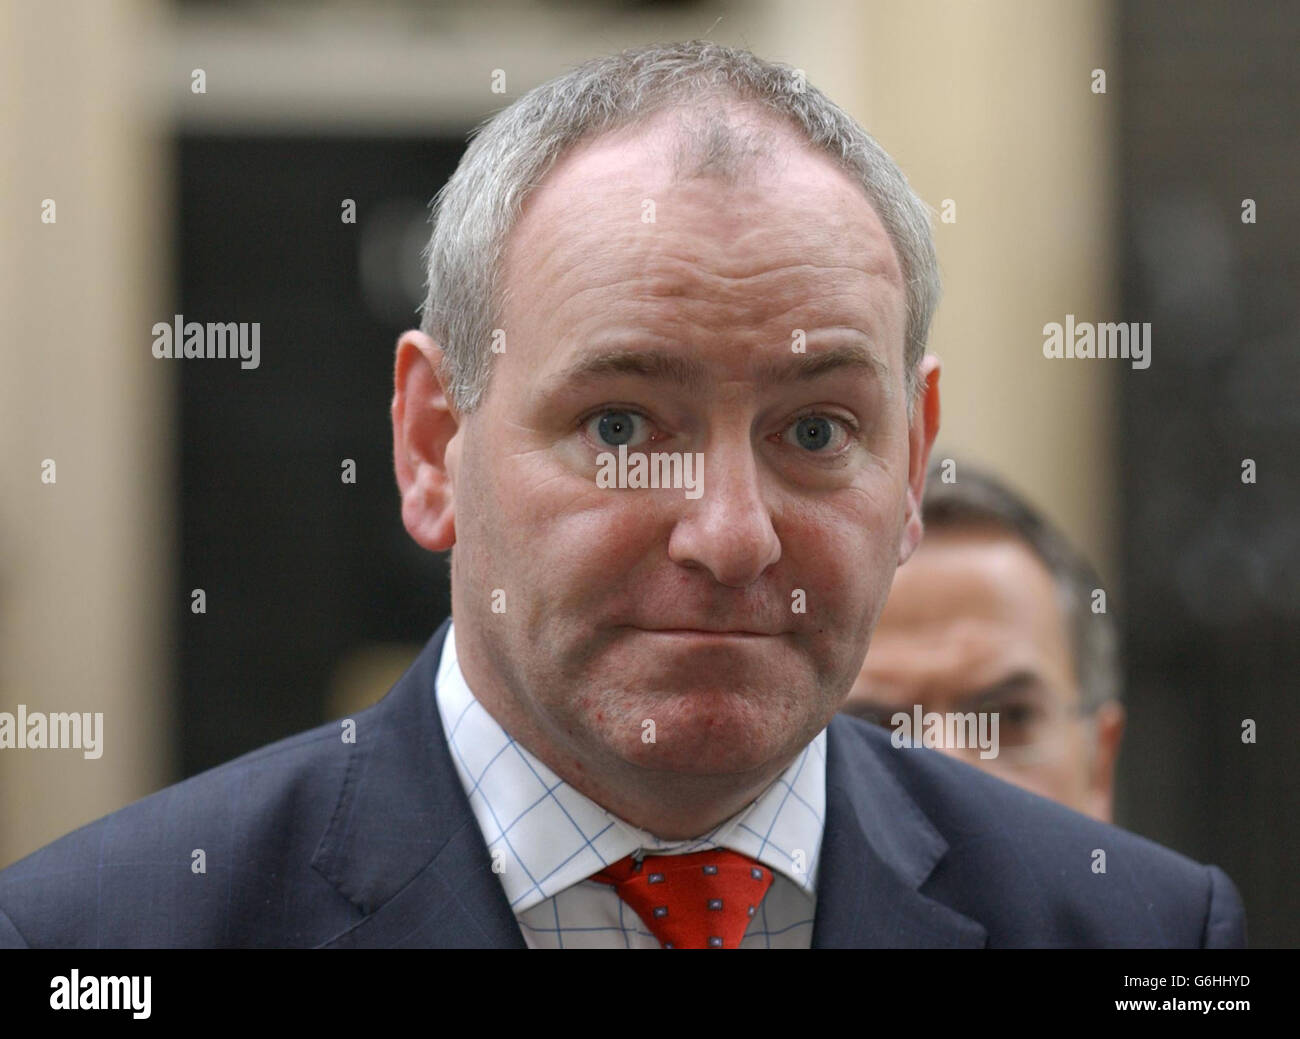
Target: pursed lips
<point>710,632</point>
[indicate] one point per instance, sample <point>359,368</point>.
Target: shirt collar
<point>545,836</point>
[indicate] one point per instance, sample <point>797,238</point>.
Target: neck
<point>670,805</point>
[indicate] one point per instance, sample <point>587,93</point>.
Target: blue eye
<point>815,432</point>
<point>616,428</point>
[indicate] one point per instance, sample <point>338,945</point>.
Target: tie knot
<point>699,901</point>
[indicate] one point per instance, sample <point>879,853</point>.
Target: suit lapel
<point>877,851</point>
<point>403,845</point>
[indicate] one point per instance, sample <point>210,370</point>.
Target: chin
<point>712,732</point>
<point>708,757</point>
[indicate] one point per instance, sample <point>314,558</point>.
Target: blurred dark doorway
<point>307,577</point>
<point>1210,105</point>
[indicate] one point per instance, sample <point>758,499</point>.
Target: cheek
<point>1051,780</point>
<point>842,558</point>
<point>849,543</point>
<point>1077,758</point>
<point>569,540</point>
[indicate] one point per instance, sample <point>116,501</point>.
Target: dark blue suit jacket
<point>320,843</point>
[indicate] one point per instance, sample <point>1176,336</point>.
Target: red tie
<point>699,901</point>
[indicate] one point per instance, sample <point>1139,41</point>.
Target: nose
<point>727,530</point>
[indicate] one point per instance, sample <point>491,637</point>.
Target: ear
<point>921,432</point>
<point>425,445</point>
<point>1109,722</point>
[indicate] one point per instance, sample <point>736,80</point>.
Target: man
<point>629,736</point>
<point>994,614</point>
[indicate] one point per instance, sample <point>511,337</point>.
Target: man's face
<point>734,621</point>
<point>973,623</point>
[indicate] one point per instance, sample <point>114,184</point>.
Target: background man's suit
<point>320,843</point>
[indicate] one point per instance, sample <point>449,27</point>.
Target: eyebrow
<point>1022,680</point>
<point>692,375</point>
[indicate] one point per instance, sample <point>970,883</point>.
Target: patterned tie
<point>699,901</point>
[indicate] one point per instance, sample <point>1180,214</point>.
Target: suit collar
<point>403,845</point>
<point>878,850</point>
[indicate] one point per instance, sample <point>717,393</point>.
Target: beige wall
<point>985,103</point>
<point>82,561</point>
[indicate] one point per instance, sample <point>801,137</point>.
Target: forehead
<point>630,220</point>
<point>972,593</point>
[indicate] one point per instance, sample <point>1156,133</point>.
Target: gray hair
<point>979,499</point>
<point>512,152</point>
